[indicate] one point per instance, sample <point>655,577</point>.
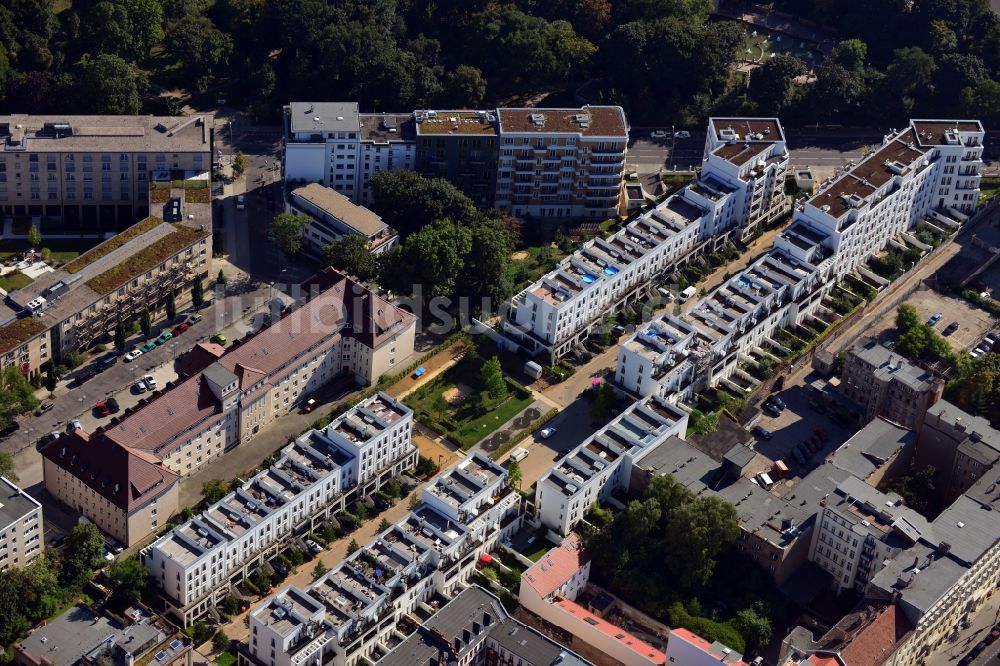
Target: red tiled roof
<point>173,411</point>
<point>557,566</point>
<point>605,627</point>
<point>124,477</point>
<point>199,357</point>
<point>248,376</point>
<point>876,642</point>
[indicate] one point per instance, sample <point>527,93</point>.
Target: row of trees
<point>664,60</point>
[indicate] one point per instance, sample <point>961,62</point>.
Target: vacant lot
<point>973,322</point>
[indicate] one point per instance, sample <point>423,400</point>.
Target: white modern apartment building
<point>603,463</point>
<point>352,612</point>
<point>749,155</point>
<point>197,563</point>
<point>931,169</point>
<point>333,144</point>
<point>22,533</point>
<point>859,529</point>
<point>662,358</point>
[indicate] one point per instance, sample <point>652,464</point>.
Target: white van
<point>519,454</point>
<point>687,293</point>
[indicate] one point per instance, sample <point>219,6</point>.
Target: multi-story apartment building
<point>197,564</point>
<point>961,447</point>
<point>353,611</point>
<point>885,384</point>
<point>549,590</point>
<point>127,493</point>
<point>333,216</point>
<point>930,166</point>
<point>662,358</point>
<point>603,463</point>
<point>858,529</point>
<point>94,171</point>
<point>74,306</point>
<point>561,309</point>
<point>22,533</point>
<point>558,163</point>
<point>561,163</point>
<point>749,156</point>
<point>687,649</point>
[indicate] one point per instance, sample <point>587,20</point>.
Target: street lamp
<point>232,144</point>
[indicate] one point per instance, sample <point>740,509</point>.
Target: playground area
<point>761,44</point>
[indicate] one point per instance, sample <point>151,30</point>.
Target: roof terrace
<point>278,481</point>
<point>265,494</point>
<point>385,408</point>
<point>182,550</point>
<point>363,589</point>
<point>341,602</point>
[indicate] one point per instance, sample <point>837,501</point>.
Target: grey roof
<point>458,615</point>
<point>219,375</point>
<point>377,127</point>
<point>890,365</point>
<point>759,511</point>
<point>870,447</point>
<point>980,529</point>
<point>977,427</point>
<point>740,455</point>
<point>986,489</point>
<point>116,134</point>
<point>15,504</point>
<point>80,632</point>
<point>922,585</point>
<point>324,117</point>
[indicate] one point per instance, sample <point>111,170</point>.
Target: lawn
<point>989,188</point>
<point>451,404</point>
<point>534,551</point>
<point>226,658</point>
<point>532,263</point>
<point>14,280</point>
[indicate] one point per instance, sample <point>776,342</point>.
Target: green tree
<point>106,84</point>
<point>83,552</point>
<point>942,38</point>
<point>771,84</point>
<point>464,87</point>
<point>319,570</point>
<point>129,580</point>
<point>145,322</point>
<point>289,229</point>
<point>120,338</point>
<point>73,359</point>
<point>214,490</point>
<point>909,74</point>
<point>197,292</point>
<point>407,201</point>
<point>850,54</point>
<point>239,163</point>
<point>429,262</point>
<point>126,28</point>
<point>755,627</point>
<point>514,473</point>
<point>491,376</point>
<point>486,275</point>
<point>352,255</point>
<point>353,547</point>
<point>384,525</point>
<point>220,279</point>
<point>414,501</point>
<point>7,467</point>
<point>171,306</point>
<point>200,47</point>
<point>919,491</point>
<point>34,237</point>
<point>982,100</point>
<point>604,403</point>
<point>220,641</point>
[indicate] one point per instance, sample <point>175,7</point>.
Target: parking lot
<point>797,423</point>
<point>973,322</point>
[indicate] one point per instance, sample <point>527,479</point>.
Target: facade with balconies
<point>198,563</point>
<point>602,464</point>
<point>355,610</point>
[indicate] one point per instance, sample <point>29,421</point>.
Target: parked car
<point>194,319</point>
<point>682,134</point>
<point>241,202</point>
<point>816,405</point>
<point>132,355</point>
<point>658,134</point>
<point>84,376</point>
<point>10,430</point>
<point>951,328</point>
<point>150,381</point>
<point>107,361</point>
<point>113,405</point>
<point>164,337</point>
<point>44,407</point>
<point>935,318</point>
<point>57,539</point>
<point>519,454</point>
<point>547,432</point>
<point>149,346</point>
<point>51,437</point>
<point>762,432</point>
<point>314,547</point>
<point>798,456</point>
<point>101,409</point>
<point>74,425</point>
<point>180,328</point>
<point>219,338</point>
<point>771,410</point>
<point>140,387</point>
<point>778,402</point>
